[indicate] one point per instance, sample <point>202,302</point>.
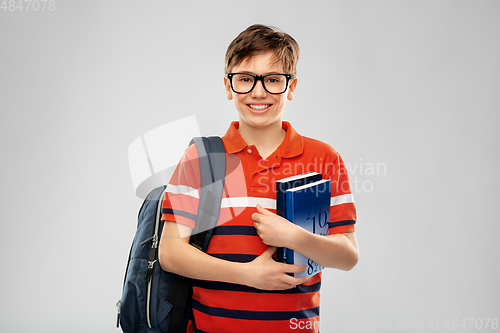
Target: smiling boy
<point>238,287</point>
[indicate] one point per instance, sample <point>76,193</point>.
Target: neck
<point>266,139</point>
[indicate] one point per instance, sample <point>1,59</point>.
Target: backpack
<point>154,300</point>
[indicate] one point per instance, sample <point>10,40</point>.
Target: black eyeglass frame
<point>261,79</point>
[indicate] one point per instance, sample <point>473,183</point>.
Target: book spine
<point>289,215</point>
<point>280,210</point>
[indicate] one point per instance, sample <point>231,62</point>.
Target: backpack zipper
<point>148,298</point>
<point>152,261</point>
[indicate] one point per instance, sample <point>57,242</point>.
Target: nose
<point>258,91</point>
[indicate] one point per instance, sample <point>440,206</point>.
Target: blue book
<point>308,206</point>
<point>281,186</point>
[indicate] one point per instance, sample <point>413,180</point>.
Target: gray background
<point>406,91</point>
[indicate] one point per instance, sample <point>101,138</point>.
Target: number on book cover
<point>319,214</point>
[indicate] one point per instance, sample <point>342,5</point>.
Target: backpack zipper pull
<point>118,308</point>
<point>146,240</point>
<point>151,266</point>
<point>152,257</point>
<point>153,238</point>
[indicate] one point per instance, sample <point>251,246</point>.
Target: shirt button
<point>249,150</point>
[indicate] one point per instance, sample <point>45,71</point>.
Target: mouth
<point>258,108</point>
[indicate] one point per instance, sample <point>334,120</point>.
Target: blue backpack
<point>154,300</point>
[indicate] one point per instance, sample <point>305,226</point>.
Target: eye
<point>241,78</point>
<point>274,79</point>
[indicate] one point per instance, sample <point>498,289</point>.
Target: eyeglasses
<point>243,83</point>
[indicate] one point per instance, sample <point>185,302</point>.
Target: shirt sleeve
<point>342,207</point>
<point>180,203</point>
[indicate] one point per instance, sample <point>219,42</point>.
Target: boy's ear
<point>227,85</point>
<point>291,89</point>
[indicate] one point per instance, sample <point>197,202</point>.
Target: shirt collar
<point>291,146</point>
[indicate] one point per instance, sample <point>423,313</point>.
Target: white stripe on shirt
<point>248,202</point>
<point>341,199</point>
<point>182,189</point>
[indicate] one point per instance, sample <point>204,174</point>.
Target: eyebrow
<point>249,72</point>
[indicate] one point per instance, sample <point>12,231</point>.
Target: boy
<point>238,287</point>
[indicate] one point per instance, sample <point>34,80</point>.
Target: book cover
<point>308,206</point>
<point>281,186</point>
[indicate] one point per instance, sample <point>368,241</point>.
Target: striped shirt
<point>224,307</point>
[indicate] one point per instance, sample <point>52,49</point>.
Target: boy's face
<point>250,105</point>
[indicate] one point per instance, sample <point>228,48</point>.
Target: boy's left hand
<point>273,229</point>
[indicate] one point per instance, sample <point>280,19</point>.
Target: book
<point>308,206</point>
<point>281,186</point>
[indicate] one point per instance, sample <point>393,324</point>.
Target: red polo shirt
<point>223,307</point>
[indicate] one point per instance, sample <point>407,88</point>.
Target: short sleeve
<point>182,194</point>
<point>342,207</point>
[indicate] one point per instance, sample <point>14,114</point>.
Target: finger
<point>285,284</point>
<point>280,286</point>
<point>295,281</point>
<point>294,268</point>
<point>256,226</point>
<point>256,217</point>
<point>270,251</point>
<point>262,210</point>
<point>288,286</point>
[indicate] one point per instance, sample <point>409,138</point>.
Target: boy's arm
<point>336,251</point>
<point>178,256</point>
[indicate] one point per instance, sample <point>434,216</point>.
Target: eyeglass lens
<point>275,84</point>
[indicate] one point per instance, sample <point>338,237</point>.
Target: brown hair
<point>261,38</point>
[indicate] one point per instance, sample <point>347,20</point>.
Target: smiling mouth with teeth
<point>259,107</point>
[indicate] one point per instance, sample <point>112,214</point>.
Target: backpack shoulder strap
<point>212,159</point>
